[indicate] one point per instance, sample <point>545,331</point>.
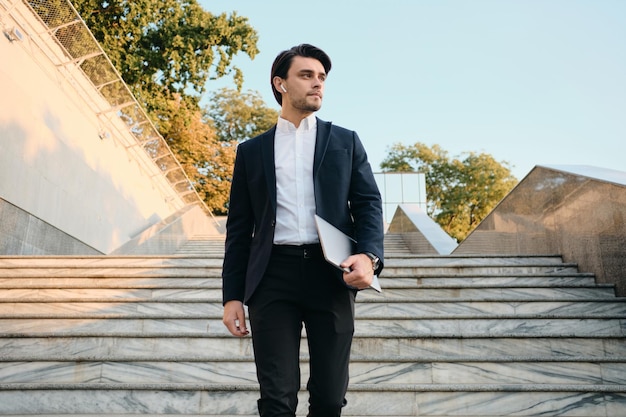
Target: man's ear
<point>278,84</point>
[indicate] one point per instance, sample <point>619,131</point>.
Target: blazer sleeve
<point>366,205</point>
<point>239,227</point>
<point>346,193</point>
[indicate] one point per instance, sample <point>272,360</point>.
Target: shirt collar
<point>308,123</point>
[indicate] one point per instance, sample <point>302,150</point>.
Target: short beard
<point>303,105</point>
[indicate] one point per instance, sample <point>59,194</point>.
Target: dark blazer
<point>346,195</point>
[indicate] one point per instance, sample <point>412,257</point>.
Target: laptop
<point>337,246</point>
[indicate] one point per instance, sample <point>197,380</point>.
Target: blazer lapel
<point>321,143</point>
<point>269,168</point>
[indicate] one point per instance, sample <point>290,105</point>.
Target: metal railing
<point>82,50</point>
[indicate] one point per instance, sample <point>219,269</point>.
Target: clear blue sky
<point>530,82</point>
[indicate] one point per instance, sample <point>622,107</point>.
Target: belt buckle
<point>306,253</point>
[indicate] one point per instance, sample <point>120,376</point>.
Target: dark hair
<point>282,63</point>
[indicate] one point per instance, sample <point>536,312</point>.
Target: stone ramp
<point>449,336</point>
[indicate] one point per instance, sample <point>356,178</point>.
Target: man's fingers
<point>361,274</point>
<point>237,327</point>
<point>240,324</point>
<point>235,318</point>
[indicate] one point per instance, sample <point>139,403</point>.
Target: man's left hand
<point>361,272</point>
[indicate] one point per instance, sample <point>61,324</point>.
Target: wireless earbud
<point>282,87</point>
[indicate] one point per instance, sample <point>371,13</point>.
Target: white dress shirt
<point>294,149</point>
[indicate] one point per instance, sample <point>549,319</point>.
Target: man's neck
<point>294,117</point>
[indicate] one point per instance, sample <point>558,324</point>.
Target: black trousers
<point>299,287</point>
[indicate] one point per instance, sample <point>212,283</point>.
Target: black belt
<point>309,251</point>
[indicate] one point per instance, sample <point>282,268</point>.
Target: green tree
<point>205,141</point>
<point>168,46</point>
<point>206,160</point>
<point>461,192</point>
<point>239,116</point>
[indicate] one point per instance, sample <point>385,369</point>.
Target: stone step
<point>527,281</point>
<point>552,327</point>
<point>391,244</point>
<point>204,415</point>
<point>477,271</point>
<point>200,250</point>
<point>215,281</point>
<point>455,335</point>
<point>379,372</point>
<point>490,294</point>
<point>132,261</point>
<point>216,241</point>
<point>366,399</point>
<point>388,295</point>
<point>370,310</point>
<point>96,262</point>
<point>461,261</point>
<point>220,348</point>
<point>396,248</point>
<point>492,309</point>
<point>115,272</point>
<point>214,270</point>
<point>110,282</point>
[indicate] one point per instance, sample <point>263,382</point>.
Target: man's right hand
<point>235,318</point>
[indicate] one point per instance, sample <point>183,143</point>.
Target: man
<point>273,261</point>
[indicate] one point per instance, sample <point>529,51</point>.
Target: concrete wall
<point>573,211</point>
<point>54,166</point>
<point>167,236</point>
<point>24,234</point>
<point>421,234</point>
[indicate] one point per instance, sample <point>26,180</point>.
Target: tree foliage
<point>169,46</point>
<point>239,116</point>
<point>461,192</point>
<point>206,160</point>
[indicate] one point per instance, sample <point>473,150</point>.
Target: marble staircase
<point>449,336</point>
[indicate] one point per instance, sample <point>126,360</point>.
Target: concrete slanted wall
<point>420,233</point>
<point>578,212</point>
<point>69,167</point>
<point>24,234</point>
<point>167,236</point>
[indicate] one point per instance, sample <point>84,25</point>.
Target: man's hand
<point>361,272</point>
<point>235,318</point>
